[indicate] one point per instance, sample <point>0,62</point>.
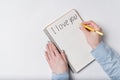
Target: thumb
<point>64,56</point>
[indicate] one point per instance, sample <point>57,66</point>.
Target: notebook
<point>65,33</point>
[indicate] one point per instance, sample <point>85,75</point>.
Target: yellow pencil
<point>92,29</point>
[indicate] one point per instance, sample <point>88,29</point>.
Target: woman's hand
<point>57,61</point>
<point>92,37</point>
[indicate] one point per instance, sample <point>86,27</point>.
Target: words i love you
<point>65,23</point>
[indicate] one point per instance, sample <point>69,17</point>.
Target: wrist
<point>95,45</point>
<point>60,72</point>
<point>63,76</point>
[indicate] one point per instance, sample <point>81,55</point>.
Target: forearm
<point>63,76</point>
<point>108,59</point>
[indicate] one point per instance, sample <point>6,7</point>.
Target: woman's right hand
<point>93,38</point>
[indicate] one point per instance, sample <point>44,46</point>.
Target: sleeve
<point>63,76</point>
<point>108,59</point>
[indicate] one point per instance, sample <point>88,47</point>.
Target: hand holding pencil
<point>92,33</point>
<point>92,29</point>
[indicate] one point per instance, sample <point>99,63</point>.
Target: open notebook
<point>65,33</point>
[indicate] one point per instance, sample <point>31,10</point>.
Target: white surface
<point>22,41</point>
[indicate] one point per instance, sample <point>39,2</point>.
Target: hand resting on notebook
<point>57,61</point>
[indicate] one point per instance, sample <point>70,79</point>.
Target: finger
<point>48,52</point>
<point>55,50</point>
<point>51,50</point>
<point>86,22</point>
<point>64,56</point>
<point>46,56</point>
<point>94,25</point>
<point>48,59</point>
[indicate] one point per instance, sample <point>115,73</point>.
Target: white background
<point>22,40</point>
